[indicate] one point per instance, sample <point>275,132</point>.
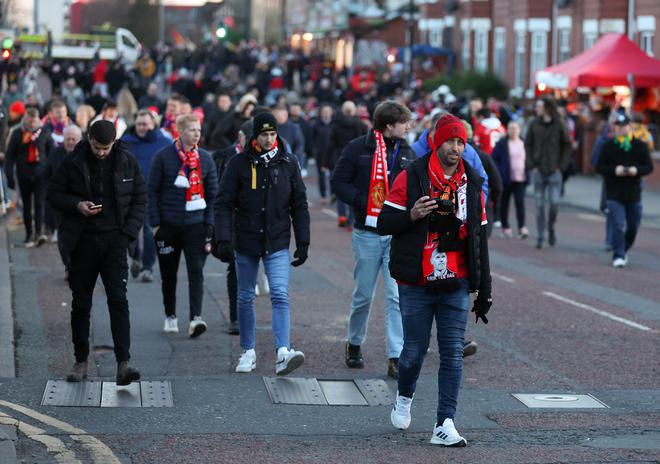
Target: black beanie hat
<point>103,132</point>
<point>263,122</point>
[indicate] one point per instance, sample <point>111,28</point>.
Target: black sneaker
<point>136,267</point>
<point>469,348</point>
<point>393,368</point>
<point>539,244</point>
<point>234,328</point>
<point>78,372</point>
<point>552,238</point>
<point>354,356</point>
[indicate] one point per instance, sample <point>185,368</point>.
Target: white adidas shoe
<point>171,325</point>
<point>447,435</point>
<point>288,360</point>
<point>247,361</point>
<point>400,415</point>
<point>197,327</point>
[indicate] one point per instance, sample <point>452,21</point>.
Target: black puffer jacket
<point>350,179</point>
<point>342,131</point>
<point>258,203</point>
<point>17,155</point>
<point>408,237</point>
<point>70,185</point>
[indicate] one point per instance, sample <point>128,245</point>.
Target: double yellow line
<point>98,451</point>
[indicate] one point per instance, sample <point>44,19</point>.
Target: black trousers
<point>103,254</point>
<point>33,195</point>
<point>232,291</point>
<point>517,189</point>
<point>170,242</point>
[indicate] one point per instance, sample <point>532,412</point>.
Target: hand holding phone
<point>88,208</point>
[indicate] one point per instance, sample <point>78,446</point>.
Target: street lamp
<point>221,32</point>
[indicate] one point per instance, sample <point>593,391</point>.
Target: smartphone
<point>96,207</point>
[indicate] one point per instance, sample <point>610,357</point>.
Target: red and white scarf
<point>438,265</point>
<point>33,150</point>
<point>190,177</point>
<point>378,182</point>
<point>170,125</point>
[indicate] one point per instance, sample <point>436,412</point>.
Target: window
<point>435,37</point>
<point>465,50</point>
<point>481,50</point>
<point>519,80</point>
<point>646,42</point>
<point>539,55</point>
<point>590,39</point>
<point>499,38</point>
<point>564,44</point>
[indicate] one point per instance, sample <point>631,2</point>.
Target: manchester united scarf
<point>378,182</point>
<point>190,177</point>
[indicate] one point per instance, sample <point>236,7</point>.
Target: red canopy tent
<point>608,63</point>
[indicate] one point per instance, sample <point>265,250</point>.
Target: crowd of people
<point>200,159</point>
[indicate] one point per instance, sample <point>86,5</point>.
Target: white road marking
<point>99,451</point>
<point>330,212</point>
<point>611,316</point>
<point>592,217</point>
<point>502,277</point>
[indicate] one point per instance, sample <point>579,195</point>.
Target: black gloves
<point>223,251</point>
<point>481,307</point>
<point>300,255</point>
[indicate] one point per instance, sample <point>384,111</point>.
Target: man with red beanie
<point>435,214</point>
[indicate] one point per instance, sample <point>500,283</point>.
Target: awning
<point>609,62</point>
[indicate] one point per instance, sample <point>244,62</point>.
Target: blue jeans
<point>450,311</point>
<point>625,219</point>
<point>145,249</point>
<point>278,271</point>
<point>372,254</point>
<point>547,189</point>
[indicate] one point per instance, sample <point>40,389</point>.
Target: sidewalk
<point>583,192</point>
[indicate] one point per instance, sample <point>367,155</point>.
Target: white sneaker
<point>288,360</point>
<point>400,415</point>
<point>171,325</point>
<point>619,262</point>
<point>53,237</point>
<point>247,361</point>
<point>447,435</point>
<point>197,327</point>
<point>303,173</point>
<point>497,224</point>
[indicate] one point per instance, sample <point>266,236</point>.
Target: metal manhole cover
<point>556,401</point>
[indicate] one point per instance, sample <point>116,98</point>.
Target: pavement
<point>223,417</point>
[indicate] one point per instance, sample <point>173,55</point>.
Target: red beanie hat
<point>448,127</point>
<point>18,107</point>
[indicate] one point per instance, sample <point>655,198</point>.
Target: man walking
<point>262,195</point>
<point>144,141</point>
<point>183,183</point>
<point>548,154</point>
<point>623,162</point>
<point>72,136</point>
<point>101,195</point>
<point>367,167</point>
<point>28,150</point>
<point>435,214</point>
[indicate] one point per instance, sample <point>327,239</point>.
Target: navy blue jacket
<point>167,203</point>
<point>145,148</point>
<point>350,179</point>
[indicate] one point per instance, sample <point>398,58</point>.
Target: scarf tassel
<point>196,205</point>
<point>181,181</point>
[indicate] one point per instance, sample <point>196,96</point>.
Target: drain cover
<point>563,401</point>
<point>329,392</point>
<point>155,394</point>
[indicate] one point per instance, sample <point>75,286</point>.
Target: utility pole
<point>631,20</point>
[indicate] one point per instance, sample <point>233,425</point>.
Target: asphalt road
<point>563,322</point>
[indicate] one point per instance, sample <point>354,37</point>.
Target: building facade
<point>517,38</point>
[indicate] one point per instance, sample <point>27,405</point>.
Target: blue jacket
<point>422,147</point>
<point>145,148</point>
<point>167,203</point>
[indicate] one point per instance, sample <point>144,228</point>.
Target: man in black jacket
<point>356,182</point>
<point>435,214</point>
<point>221,158</point>
<point>27,150</point>
<point>183,184</point>
<point>261,195</point>
<point>100,192</point>
<point>623,162</point>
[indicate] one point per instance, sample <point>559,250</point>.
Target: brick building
<point>516,38</point>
